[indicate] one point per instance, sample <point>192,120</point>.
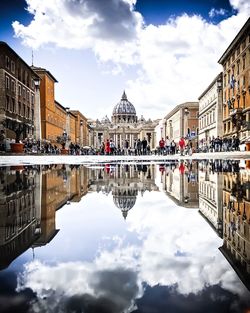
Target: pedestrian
<point>182,145</point>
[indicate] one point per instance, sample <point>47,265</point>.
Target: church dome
<point>124,107</point>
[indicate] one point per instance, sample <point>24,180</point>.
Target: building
<point>210,199</point>
<point>236,85</point>
<point>210,112</point>
<point>180,187</point>
<point>236,220</point>
<point>124,125</point>
<point>20,212</point>
<point>18,88</point>
<point>125,183</point>
<point>81,128</point>
<point>182,121</point>
<point>56,119</point>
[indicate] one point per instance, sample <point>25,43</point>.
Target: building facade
<point>17,95</point>
<point>124,125</point>
<point>210,199</point>
<point>182,121</point>
<point>81,128</point>
<point>210,112</point>
<point>236,85</point>
<point>236,218</point>
<point>56,119</point>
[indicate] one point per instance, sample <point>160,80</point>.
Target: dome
<point>124,106</point>
<point>124,199</point>
<point>105,120</point>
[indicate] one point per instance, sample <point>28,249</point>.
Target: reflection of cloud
<point>90,287</point>
<point>177,250</point>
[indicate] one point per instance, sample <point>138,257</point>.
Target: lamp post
<point>186,113</point>
<point>37,112</point>
<point>67,129</point>
<point>81,132</point>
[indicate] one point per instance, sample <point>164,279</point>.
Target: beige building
<point>124,125</point>
<point>125,183</point>
<point>182,121</point>
<point>210,112</point>
<point>210,199</point>
<point>182,188</point>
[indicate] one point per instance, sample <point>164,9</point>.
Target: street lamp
<point>81,132</point>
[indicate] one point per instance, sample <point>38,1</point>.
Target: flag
<point>232,81</point>
<point>229,104</point>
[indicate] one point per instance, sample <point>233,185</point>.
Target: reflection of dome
<point>125,200</point>
<point>124,107</point>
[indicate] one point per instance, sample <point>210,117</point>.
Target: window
<point>13,85</point>
<point>24,93</point>
<point>7,62</point>
<point>28,96</point>
<point>32,99</point>
<point>19,108</point>
<point>244,62</point>
<point>24,110</point>
<point>238,67</point>
<point>32,114</point>
<point>244,101</point>
<point>13,109</point>
<point>7,82</point>
<point>13,67</point>
<point>7,104</point>
<point>28,112</point>
<point>229,126</point>
<point>19,90</point>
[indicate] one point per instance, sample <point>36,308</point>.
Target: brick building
<point>55,118</point>
<point>236,85</point>
<point>17,94</point>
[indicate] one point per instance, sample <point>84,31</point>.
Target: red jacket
<point>182,143</point>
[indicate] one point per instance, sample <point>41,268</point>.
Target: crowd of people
<point>165,146</point>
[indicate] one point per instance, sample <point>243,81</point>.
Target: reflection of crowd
<point>221,165</point>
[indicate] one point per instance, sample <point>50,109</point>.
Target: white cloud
<point>174,62</point>
<point>213,12</point>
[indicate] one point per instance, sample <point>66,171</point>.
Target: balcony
<point>235,111</point>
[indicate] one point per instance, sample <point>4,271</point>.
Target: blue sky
<point>156,50</point>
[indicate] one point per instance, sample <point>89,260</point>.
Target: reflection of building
<point>210,112</point>
<point>210,199</point>
<point>29,198</point>
<point>20,212</point>
<point>124,183</point>
<point>124,125</point>
<point>236,85</point>
<point>182,188</point>
<point>63,183</point>
<point>236,228</point>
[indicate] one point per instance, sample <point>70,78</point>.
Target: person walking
<point>2,141</point>
<point>162,146</point>
<point>182,145</point>
<point>144,146</point>
<point>107,147</point>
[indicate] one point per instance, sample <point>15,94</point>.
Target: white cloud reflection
<point>176,247</point>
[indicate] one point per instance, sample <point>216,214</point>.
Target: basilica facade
<point>124,125</point>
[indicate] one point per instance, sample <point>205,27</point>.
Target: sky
<point>161,52</point>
